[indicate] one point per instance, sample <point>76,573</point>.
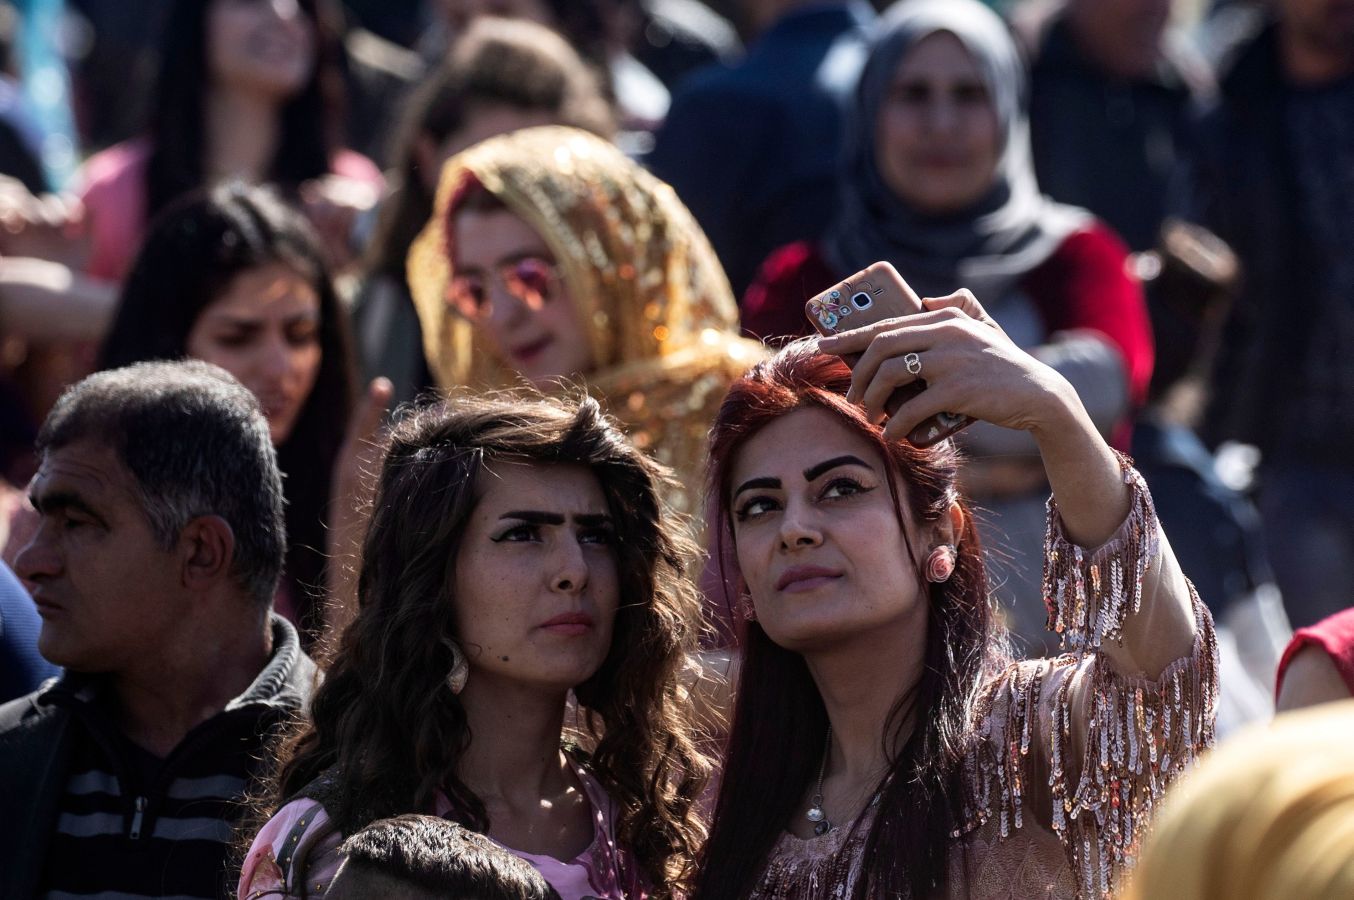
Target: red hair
<point>775,743</point>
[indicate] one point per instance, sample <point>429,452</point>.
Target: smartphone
<point>871,295</point>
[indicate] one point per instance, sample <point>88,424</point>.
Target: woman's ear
<point>950,529</point>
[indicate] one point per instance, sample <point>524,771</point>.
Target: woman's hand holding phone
<point>969,365</point>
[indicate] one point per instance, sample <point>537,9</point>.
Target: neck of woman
<point>242,133</point>
<point>860,681</point>
<point>514,753</point>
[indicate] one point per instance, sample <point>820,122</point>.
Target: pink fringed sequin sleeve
<point>1078,741</point>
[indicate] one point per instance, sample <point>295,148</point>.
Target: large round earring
<point>940,564</point>
<point>460,667</point>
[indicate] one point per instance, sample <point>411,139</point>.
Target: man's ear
<point>207,548</point>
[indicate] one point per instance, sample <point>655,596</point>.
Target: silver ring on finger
<point>913,363</point>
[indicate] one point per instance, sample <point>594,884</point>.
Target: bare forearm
<point>1082,470</point>
<point>45,301</point>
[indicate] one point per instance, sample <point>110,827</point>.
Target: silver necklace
<point>821,825</point>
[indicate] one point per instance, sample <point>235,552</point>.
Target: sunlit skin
<point>265,330</point>
<point>544,340</point>
<point>262,46</point>
<point>536,580</point>
<point>938,141</point>
<point>818,540</point>
<point>93,561</point>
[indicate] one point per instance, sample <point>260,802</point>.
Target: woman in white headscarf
<point>939,182</point>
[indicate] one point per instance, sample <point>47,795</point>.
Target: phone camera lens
<point>861,300</point>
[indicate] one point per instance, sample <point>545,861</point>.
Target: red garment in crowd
<point>1335,635</point>
<point>1084,284</point>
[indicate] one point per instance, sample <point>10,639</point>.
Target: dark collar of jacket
<point>819,23</point>
<point>35,744</point>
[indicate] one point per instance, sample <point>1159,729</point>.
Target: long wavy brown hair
<point>775,743</point>
<point>385,729</point>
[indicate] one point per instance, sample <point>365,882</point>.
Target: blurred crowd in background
<point>1155,197</point>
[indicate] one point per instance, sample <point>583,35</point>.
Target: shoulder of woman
<point>294,853</point>
<point>1095,245</point>
<point>121,166</point>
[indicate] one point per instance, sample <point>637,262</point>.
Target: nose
<point>276,360</point>
<point>506,309</point>
<point>39,559</point>
<point>799,528</point>
<point>942,114</point>
<point>570,575</point>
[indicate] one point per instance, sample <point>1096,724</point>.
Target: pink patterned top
<point>296,855</point>
<point>1068,755</point>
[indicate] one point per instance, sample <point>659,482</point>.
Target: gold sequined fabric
<point>660,316</point>
<point>1069,755</point>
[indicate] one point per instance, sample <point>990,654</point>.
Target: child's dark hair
<point>436,856</point>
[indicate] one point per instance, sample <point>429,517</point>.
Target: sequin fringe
<point>1089,596</point>
<point>1140,733</point>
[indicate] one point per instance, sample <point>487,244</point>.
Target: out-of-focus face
<point>507,282</point>
<point>938,141</point>
<point>482,121</point>
<point>263,46</point>
<point>265,330</point>
<point>537,587</point>
<point>105,588</point>
<point>1122,37</point>
<point>818,542</point>
<point>1325,26</point>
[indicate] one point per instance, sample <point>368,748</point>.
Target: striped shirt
<point>131,825</point>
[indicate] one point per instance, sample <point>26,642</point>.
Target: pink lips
<point>528,352</point>
<point>572,623</point>
<point>805,578</point>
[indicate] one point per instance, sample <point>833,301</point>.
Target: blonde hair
<point>1267,816</point>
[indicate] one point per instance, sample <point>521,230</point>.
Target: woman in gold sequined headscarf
<point>551,256</point>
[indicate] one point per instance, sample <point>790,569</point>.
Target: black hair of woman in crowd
<point>195,251</point>
<point>311,126</point>
<point>391,730</point>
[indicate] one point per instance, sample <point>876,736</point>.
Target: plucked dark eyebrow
<point>812,472</point>
<point>58,501</point>
<point>538,517</point>
<point>772,484</point>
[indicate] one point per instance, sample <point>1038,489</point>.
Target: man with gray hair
<point>159,548</point>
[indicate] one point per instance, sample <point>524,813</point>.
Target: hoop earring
<point>460,667</point>
<point>940,564</point>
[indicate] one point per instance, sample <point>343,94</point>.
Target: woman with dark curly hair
<point>884,744</point>
<point>518,553</point>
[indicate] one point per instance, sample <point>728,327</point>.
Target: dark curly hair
<point>386,729</point>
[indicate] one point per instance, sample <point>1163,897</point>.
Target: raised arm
<point>1092,737</point>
